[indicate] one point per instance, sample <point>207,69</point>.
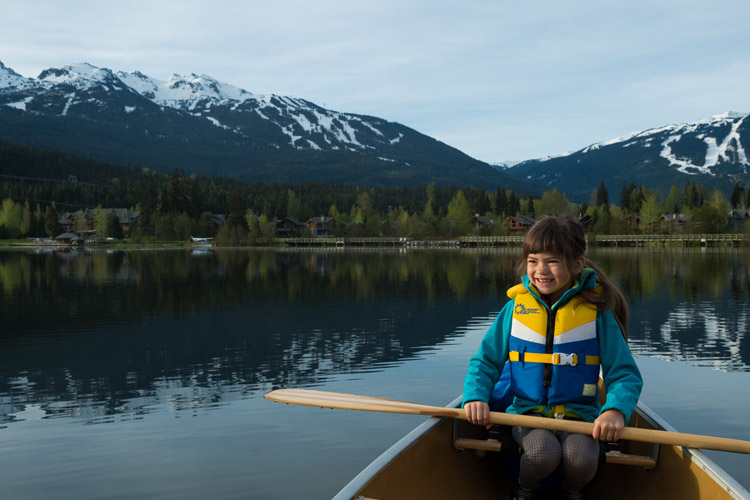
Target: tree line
<point>38,187</point>
<point>173,207</point>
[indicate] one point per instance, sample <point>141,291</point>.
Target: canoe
<point>446,458</point>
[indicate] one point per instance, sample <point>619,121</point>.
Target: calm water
<point>140,374</point>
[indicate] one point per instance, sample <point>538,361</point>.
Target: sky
<point>501,80</point>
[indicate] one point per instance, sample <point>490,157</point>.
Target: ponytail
<point>610,297</point>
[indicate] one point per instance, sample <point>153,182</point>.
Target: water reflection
<point>687,305</point>
<point>93,334</point>
<point>106,335</point>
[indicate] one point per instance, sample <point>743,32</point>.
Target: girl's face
<point>550,274</point>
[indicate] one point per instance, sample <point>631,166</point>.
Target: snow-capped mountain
<point>9,78</point>
<point>199,124</point>
<point>713,151</point>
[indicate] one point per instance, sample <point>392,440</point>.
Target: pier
<point>599,240</point>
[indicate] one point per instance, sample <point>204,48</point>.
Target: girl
<point>564,322</point>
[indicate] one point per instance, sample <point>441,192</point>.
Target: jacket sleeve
<point>620,372</point>
<point>487,364</point>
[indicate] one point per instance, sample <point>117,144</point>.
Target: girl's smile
<point>550,274</point>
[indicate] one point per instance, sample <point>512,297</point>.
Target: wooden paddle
<point>344,401</point>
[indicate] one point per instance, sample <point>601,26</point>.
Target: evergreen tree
<point>602,197</point>
<point>196,207</point>
<point>531,209</point>
<point>51,221</point>
<point>674,201</point>
<point>148,198</point>
<point>175,197</point>
<point>113,228</point>
<point>691,196</point>
<point>738,199</point>
<point>636,200</point>
<point>500,202</point>
<point>625,197</point>
<point>236,209</point>
<point>294,206</point>
<point>481,203</point>
<point>513,205</point>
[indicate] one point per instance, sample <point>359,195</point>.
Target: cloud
<point>497,79</point>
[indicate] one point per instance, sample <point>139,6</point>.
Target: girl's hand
<point>608,426</point>
<point>478,413</point>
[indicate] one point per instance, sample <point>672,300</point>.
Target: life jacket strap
<point>556,358</point>
<point>559,411</point>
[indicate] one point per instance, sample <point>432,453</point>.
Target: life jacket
<point>553,351</point>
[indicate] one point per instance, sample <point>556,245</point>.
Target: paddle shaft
<point>344,401</point>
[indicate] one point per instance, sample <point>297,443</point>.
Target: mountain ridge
<point>710,151</point>
<point>212,128</point>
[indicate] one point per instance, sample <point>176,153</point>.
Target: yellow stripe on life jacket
<point>551,358</point>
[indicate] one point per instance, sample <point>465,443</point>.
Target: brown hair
<point>565,237</point>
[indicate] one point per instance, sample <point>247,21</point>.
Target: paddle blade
<point>343,401</point>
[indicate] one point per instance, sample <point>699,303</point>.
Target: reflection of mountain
<point>702,333</point>
<point>95,335</point>
<point>687,305</point>
<point>102,334</point>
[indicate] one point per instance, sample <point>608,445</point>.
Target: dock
<point>599,240</point>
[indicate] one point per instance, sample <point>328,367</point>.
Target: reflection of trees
<point>95,334</point>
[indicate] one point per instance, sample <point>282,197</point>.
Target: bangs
<point>561,236</point>
<point>545,242</point>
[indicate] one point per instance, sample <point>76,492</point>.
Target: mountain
<point>712,152</point>
<point>201,125</point>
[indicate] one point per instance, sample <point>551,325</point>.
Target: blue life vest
<point>553,352</point>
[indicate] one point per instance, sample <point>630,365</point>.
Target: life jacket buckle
<point>559,358</point>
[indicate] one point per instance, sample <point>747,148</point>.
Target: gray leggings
<point>543,450</point>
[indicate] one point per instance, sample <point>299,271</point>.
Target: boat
<point>447,458</point>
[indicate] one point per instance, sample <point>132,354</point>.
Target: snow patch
<point>67,104</point>
<point>715,152</point>
<point>20,105</point>
<point>217,123</point>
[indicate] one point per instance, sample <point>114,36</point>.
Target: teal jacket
<point>619,371</point>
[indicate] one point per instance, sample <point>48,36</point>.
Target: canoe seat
<point>612,456</point>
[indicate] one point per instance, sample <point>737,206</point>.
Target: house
<point>482,224</point>
<point>322,226</point>
<point>126,218</point>
<point>519,223</point>
<point>83,221</point>
<point>289,228</point>
<point>634,221</point>
<point>80,220</point>
<point>69,238</point>
<point>673,221</point>
<point>66,222</point>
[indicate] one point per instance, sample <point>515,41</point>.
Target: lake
<point>141,373</point>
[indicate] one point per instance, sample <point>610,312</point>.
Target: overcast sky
<point>497,79</point>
